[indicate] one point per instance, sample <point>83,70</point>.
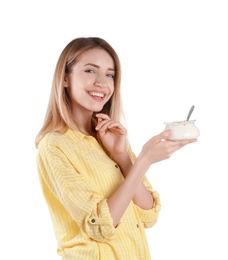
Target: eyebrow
<point>96,66</point>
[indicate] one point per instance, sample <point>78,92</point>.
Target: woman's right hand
<point>158,148</point>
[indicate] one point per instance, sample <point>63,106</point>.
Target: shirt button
<point>137,225</point>
<point>93,220</point>
<point>116,166</point>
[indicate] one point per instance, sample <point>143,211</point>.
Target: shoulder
<point>50,139</point>
<point>56,140</point>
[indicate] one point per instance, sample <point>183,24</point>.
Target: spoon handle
<point>190,112</point>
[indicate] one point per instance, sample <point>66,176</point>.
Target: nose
<point>100,81</point>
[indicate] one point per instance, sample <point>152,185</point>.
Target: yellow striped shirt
<point>77,177</point>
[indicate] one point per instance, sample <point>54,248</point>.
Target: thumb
<point>163,135</point>
<point>98,124</point>
<point>99,120</point>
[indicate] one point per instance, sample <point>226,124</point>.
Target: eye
<point>89,71</point>
<point>111,76</point>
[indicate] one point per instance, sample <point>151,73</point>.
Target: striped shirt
<point>77,177</point>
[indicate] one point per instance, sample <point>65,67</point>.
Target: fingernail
<point>168,132</point>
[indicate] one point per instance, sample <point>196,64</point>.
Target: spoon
<point>190,112</point>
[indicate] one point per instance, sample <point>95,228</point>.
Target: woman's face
<point>91,81</point>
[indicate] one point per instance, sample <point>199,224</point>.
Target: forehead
<point>96,56</point>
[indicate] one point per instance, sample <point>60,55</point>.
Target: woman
<point>99,198</point>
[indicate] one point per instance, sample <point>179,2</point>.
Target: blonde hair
<point>59,113</point>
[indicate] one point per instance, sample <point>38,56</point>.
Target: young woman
<point>99,198</point>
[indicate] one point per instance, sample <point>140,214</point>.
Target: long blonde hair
<point>59,113</point>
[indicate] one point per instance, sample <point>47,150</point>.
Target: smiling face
<point>91,82</point>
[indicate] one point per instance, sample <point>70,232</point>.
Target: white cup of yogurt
<point>182,130</point>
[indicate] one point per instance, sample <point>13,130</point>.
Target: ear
<point>65,81</point>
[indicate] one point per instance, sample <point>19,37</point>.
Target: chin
<point>97,109</point>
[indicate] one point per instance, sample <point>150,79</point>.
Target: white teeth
<point>95,94</point>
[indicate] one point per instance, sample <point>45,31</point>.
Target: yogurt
<point>182,130</point>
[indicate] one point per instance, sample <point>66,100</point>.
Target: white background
<point>174,55</point>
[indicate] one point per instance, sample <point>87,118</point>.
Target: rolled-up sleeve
<point>149,217</point>
<point>91,213</point>
<point>79,196</point>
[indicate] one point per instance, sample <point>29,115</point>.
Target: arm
<point>113,137</point>
<point>142,196</point>
<point>130,188</point>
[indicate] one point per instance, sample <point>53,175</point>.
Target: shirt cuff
<point>100,224</point>
<point>149,217</point>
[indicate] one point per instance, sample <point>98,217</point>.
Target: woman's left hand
<point>112,135</point>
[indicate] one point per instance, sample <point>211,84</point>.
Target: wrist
<point>143,162</point>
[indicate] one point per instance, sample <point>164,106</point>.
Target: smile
<point>97,94</point>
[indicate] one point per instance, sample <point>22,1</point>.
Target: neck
<point>85,123</point>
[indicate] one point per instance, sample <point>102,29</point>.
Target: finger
<point>183,142</point>
<point>116,127</point>
<point>102,116</point>
<point>103,127</point>
<point>174,146</point>
<point>101,123</point>
<point>162,136</point>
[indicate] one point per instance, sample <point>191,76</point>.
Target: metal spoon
<point>190,112</point>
